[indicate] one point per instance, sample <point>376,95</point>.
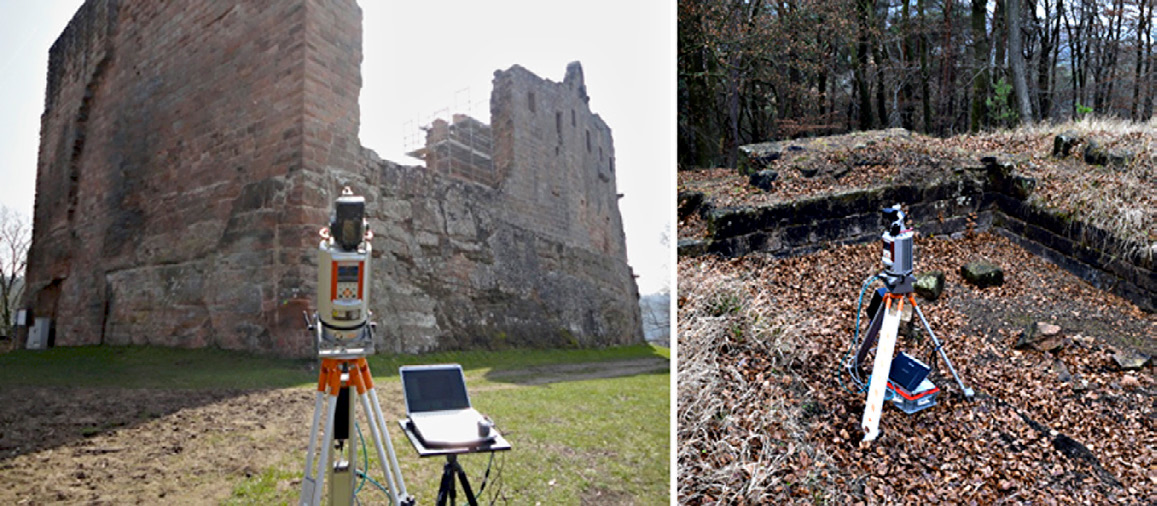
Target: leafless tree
<point>657,316</point>
<point>15,237</point>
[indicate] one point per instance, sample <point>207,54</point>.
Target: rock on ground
<point>1040,336</point>
<point>1131,360</point>
<point>983,274</point>
<point>763,179</point>
<point>930,284</point>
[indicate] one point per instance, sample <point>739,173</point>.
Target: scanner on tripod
<point>904,376</point>
<point>343,334</point>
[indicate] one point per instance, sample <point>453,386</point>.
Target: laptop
<point>439,409</point>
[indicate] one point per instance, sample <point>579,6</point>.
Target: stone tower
<point>190,152</point>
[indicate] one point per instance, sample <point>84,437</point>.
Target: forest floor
<point>766,415</point>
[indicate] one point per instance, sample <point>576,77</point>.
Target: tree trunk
<point>881,86</point>
<point>1141,30</point>
<point>1016,59</point>
<point>925,91</point>
<point>732,145</point>
<point>947,88</point>
<point>999,37</point>
<point>1046,63</point>
<point>1074,60</point>
<point>980,51</point>
<point>907,98</point>
<point>881,54</point>
<point>1148,109</point>
<point>863,47</point>
<point>1113,50</point>
<point>1056,57</point>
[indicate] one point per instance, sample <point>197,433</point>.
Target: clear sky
<point>423,58</point>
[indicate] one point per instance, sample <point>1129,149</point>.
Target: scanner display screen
<point>347,274</point>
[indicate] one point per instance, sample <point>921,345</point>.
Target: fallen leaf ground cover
<point>763,417</point>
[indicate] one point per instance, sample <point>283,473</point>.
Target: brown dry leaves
<point>762,416</point>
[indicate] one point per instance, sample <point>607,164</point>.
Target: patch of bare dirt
<point>119,446</point>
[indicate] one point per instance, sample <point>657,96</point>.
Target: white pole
<point>880,368</point>
<point>308,483</point>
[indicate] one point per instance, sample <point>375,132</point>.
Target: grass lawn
<point>586,425</point>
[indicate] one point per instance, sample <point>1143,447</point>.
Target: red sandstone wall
<point>171,134</point>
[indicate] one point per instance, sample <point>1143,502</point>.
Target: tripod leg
<point>358,379</point>
<point>309,482</point>
<point>465,484</point>
<point>874,406</point>
<point>968,393</point>
<point>327,436</point>
<point>377,408</point>
<point>446,489</point>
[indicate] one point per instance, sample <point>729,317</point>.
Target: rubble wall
<point>988,196</point>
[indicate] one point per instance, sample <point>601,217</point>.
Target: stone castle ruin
<point>190,152</point>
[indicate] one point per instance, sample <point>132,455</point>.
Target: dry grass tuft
<point>1118,200</point>
<point>740,438</point>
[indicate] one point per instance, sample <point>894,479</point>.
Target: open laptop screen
<point>434,388</point>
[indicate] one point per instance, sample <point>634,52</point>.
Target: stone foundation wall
<point>1080,249</point>
<point>806,225</point>
<point>985,197</point>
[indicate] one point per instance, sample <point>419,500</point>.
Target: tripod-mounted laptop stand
<point>441,422</point>
<point>452,470</point>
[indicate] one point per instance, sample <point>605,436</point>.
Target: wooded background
<point>753,71</point>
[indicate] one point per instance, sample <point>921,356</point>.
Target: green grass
<point>148,367</point>
<point>608,435</point>
<point>152,367</point>
<point>597,441</point>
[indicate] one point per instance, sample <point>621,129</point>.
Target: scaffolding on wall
<point>460,147</point>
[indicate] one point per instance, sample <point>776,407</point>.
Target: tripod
<point>348,374</point>
<point>886,325</point>
<point>446,489</point>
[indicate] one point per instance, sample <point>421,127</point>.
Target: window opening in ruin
<point>600,154</point>
<point>558,125</point>
<point>588,141</point>
<point>530,100</point>
<point>572,117</point>
<point>612,164</point>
